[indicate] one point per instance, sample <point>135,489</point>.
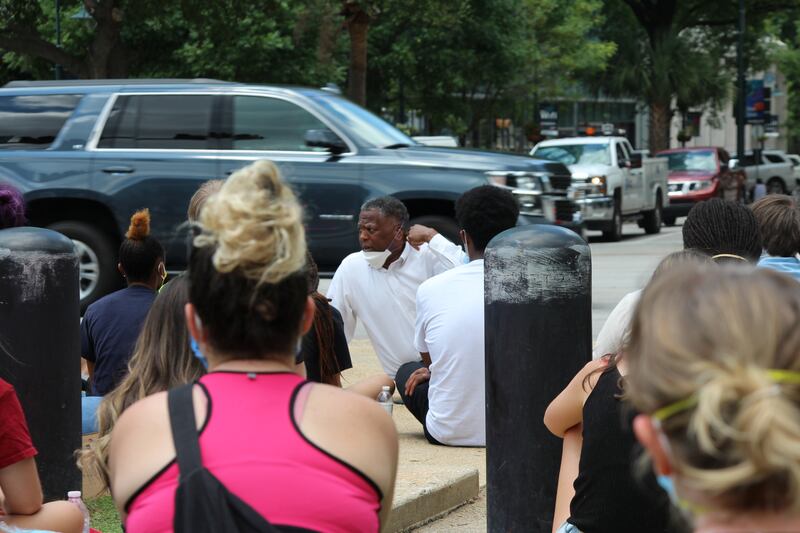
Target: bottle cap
<point>385,387</point>
<point>74,494</point>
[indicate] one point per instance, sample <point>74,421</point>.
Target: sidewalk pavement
<point>431,480</point>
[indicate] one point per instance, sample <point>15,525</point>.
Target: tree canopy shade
<point>680,54</point>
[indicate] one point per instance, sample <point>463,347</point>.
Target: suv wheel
<point>775,186</point>
<point>96,259</point>
<point>444,225</point>
<point>652,219</point>
<point>614,231</point>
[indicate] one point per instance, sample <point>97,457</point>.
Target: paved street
<point>617,268</point>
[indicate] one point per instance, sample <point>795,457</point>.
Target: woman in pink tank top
<point>305,457</point>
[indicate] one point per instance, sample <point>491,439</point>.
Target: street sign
<point>548,116</point>
<point>755,106</point>
<point>771,126</point>
<point>607,129</point>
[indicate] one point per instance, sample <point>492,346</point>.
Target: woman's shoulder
<point>344,407</point>
<point>352,428</point>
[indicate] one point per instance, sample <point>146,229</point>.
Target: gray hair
<point>389,206</point>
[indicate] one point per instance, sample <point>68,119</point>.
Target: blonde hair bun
<point>256,225</point>
<point>139,229</point>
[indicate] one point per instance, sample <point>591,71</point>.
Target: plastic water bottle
<point>74,496</point>
<point>385,399</point>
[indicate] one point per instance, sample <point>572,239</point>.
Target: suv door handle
<point>118,170</point>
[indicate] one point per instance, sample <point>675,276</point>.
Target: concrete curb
<point>424,493</point>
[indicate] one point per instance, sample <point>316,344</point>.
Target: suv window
<point>263,123</point>
<point>176,122</point>
<point>773,158</point>
<point>33,122</point>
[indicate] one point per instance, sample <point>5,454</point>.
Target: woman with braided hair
<point>726,231</point>
<point>324,349</point>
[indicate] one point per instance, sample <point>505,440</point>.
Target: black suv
<point>87,154</point>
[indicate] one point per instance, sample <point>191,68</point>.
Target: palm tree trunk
<point>660,116</point>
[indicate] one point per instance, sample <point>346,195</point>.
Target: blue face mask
<point>665,482</point>
<point>198,354</point>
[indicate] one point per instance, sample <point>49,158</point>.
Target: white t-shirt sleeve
<point>421,321</point>
<point>339,299</point>
<point>615,330</point>
<point>443,254</point>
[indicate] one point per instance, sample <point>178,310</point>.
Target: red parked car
<point>697,174</point>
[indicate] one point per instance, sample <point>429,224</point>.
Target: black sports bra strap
<point>184,429</point>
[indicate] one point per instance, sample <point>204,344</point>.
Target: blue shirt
<point>109,331</point>
<point>787,265</point>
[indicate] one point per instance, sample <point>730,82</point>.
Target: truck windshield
<point>357,121</point>
<point>700,161</point>
<point>575,154</point>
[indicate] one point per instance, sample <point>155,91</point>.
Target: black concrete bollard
<point>40,355</point>
<point>538,336</point>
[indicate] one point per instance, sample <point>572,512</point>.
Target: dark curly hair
<point>718,226</point>
<point>485,211</point>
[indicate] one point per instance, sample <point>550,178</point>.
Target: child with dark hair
<point>12,207</point>
<point>112,324</point>
<point>779,223</point>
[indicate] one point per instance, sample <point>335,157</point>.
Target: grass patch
<point>104,515</point>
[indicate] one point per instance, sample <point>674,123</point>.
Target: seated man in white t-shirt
<point>446,391</point>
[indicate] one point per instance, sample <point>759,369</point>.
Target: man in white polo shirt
<point>446,392</point>
<point>379,284</point>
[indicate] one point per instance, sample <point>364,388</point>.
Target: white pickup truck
<point>611,183</point>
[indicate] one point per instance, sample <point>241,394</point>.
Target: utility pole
<point>740,84</point>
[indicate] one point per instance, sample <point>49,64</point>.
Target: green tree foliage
<point>275,41</point>
<point>456,60</point>
<point>680,54</point>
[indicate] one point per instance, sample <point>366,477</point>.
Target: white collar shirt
<point>384,299</point>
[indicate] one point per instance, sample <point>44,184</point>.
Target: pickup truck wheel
<point>614,232</point>
<point>444,225</point>
<point>669,220</point>
<point>776,186</point>
<point>652,219</point>
<point>97,274</point>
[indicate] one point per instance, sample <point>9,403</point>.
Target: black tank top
<point>610,494</point>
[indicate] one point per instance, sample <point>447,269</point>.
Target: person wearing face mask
<point>446,391</point>
<point>112,324</point>
<point>714,372</point>
<point>379,284</point>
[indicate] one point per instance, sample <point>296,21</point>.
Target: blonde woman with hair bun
<point>288,454</point>
<point>714,366</point>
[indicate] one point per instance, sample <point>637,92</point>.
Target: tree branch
<point>31,44</point>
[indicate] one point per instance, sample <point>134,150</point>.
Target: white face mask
<point>376,259</point>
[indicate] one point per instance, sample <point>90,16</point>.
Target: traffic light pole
<point>740,84</point>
